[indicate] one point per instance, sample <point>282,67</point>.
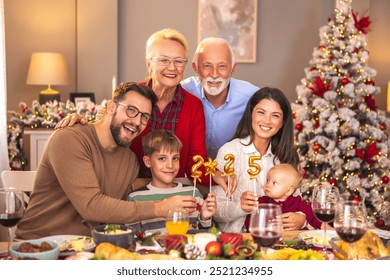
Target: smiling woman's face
<point>166,76</point>
<point>267,119</point>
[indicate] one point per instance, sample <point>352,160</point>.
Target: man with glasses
<point>87,171</point>
<point>224,98</point>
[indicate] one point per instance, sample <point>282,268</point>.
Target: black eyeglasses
<point>132,112</point>
<point>165,61</point>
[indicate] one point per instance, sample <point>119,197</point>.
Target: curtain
<point>4,160</point>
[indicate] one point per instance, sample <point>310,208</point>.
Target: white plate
<point>63,239</point>
<point>316,237</point>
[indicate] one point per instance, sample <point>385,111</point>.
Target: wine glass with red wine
<point>323,202</point>
<point>266,225</point>
<point>11,209</point>
<point>350,222</point>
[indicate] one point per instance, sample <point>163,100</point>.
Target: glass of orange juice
<point>177,222</point>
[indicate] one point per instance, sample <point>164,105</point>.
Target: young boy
<point>282,182</point>
<point>162,155</point>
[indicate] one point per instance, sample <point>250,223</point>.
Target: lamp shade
<point>47,68</point>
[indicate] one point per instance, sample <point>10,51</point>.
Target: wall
<point>36,26</point>
<point>286,35</point>
<point>97,46</point>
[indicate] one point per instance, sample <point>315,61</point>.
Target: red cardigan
<point>191,130</point>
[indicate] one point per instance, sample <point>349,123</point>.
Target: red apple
<point>214,248</point>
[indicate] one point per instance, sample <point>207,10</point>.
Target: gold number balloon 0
<point>210,167</point>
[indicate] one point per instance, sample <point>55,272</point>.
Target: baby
<point>282,181</point>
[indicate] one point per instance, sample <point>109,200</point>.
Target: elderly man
<point>224,98</point>
<point>87,171</point>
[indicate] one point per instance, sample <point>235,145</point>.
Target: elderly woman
<point>176,110</point>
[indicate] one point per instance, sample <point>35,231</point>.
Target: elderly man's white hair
<point>211,41</point>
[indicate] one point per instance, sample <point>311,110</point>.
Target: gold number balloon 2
<point>227,169</point>
<point>195,173</point>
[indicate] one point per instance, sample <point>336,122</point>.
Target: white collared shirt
<point>230,216</point>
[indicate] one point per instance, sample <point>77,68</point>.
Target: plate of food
<point>72,244</point>
<point>317,238</point>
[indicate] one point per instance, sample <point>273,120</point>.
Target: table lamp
<point>47,68</point>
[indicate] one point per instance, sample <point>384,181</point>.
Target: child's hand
<point>248,201</point>
<point>209,207</point>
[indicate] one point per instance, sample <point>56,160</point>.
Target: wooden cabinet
<point>38,139</point>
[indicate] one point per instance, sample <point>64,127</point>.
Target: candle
<point>113,83</point>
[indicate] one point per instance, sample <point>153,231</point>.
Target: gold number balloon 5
<point>256,166</point>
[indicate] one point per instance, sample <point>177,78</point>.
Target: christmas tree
<point>339,132</point>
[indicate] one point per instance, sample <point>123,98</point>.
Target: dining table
<point>286,235</point>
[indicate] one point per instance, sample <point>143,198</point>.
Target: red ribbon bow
<point>320,87</point>
<point>370,102</point>
<point>361,24</point>
<point>369,152</point>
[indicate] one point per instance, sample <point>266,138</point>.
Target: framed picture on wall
<point>81,97</point>
<point>235,21</point>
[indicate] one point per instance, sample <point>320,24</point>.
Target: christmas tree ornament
<point>385,179</point>
<point>298,126</point>
<point>344,81</point>
<point>346,129</point>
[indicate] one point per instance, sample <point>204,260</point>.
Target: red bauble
<point>316,147</point>
<point>333,182</point>
<point>321,48</point>
<point>379,223</point>
<point>331,57</point>
<point>356,199</point>
<point>385,179</point>
<point>382,126</point>
<point>298,126</point>
<point>344,81</point>
<point>317,124</point>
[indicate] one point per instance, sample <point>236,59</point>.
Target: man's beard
<point>115,129</point>
<point>214,91</point>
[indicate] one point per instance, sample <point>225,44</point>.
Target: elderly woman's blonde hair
<point>165,34</point>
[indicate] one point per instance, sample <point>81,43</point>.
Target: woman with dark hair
<point>266,131</point>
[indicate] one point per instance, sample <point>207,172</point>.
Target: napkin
<point>381,232</point>
<point>156,247</point>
